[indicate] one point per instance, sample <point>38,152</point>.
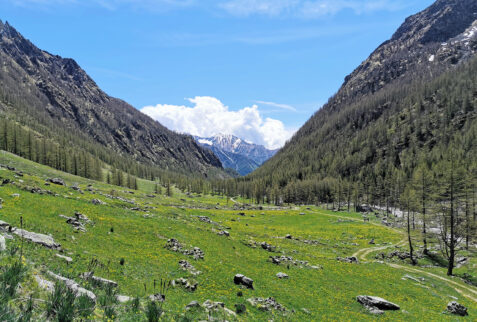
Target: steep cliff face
<point>64,95</point>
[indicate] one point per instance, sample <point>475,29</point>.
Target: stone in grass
<point>266,304</point>
<point>97,202</point>
<point>224,233</point>
<point>36,238</point>
<point>282,275</point>
<point>192,305</point>
<point>457,309</point>
<point>376,305</point>
<point>3,244</point>
<point>66,258</point>
<point>157,297</point>
<point>240,279</point>
<point>57,181</point>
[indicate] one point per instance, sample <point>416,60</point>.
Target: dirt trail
<point>461,288</point>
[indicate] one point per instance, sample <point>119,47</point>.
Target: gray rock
<point>224,233</point>
<point>351,260</point>
<point>240,279</point>
<point>378,303</point>
<point>282,275</point>
<point>157,297</point>
<point>123,298</point>
<point>266,304</point>
<point>57,181</point>
<point>16,195</point>
<point>97,202</point>
<point>66,258</point>
<point>73,286</point>
<point>36,238</point>
<point>193,304</point>
<point>45,284</point>
<point>3,244</point>
<point>457,309</point>
<point>98,280</point>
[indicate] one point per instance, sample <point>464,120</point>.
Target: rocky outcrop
<point>376,305</point>
<point>457,309</point>
<point>73,286</point>
<point>240,279</point>
<point>36,238</point>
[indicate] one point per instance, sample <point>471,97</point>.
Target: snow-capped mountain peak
<point>236,153</point>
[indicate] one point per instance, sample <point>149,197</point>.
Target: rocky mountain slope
<point>55,93</point>
<point>237,154</point>
<point>411,100</point>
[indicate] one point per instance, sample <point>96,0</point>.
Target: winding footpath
<point>467,291</point>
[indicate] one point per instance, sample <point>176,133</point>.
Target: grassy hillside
<point>136,238</point>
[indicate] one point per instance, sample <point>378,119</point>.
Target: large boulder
<point>57,181</point>
<point>36,238</point>
<point>240,279</point>
<point>457,309</point>
<point>376,305</point>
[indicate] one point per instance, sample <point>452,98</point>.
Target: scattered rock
<point>73,286</point>
<point>16,195</point>
<point>240,279</point>
<point>376,305</point>
<point>186,266</point>
<point>457,309</point>
<point>224,233</point>
<point>157,297</point>
<point>372,242</point>
<point>277,260</point>
<point>193,304</point>
<point>57,181</point>
<point>351,260</point>
<point>99,280</point>
<point>174,245</point>
<point>268,247</point>
<point>289,236</point>
<point>66,258</point>
<point>266,304</point>
<point>36,238</point>
<point>190,286</point>
<point>282,275</point>
<point>302,214</point>
<point>97,202</point>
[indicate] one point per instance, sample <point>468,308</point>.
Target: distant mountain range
<point>235,153</point>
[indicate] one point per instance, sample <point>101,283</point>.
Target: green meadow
<point>128,247</point>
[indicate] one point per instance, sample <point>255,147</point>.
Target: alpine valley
<point>368,213</point>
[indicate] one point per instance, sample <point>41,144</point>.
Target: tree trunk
<point>411,250</point>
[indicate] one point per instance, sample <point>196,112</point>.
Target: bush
<point>121,262</point>
<point>10,278</point>
<point>84,306</point>
<point>61,303</point>
<point>240,308</point>
<point>108,301</point>
<point>153,312</point>
<point>135,304</point>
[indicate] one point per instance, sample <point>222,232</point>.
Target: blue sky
<point>256,68</point>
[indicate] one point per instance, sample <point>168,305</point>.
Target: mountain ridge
<point>235,153</point>
<point>56,90</point>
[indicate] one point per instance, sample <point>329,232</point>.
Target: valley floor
<point>125,238</point>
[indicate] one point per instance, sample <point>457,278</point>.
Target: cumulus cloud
<point>209,116</point>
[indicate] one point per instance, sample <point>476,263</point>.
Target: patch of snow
<point>431,59</point>
<point>207,142</point>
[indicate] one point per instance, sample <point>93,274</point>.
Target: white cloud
<point>282,106</point>
<point>209,116</point>
<point>308,8</point>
